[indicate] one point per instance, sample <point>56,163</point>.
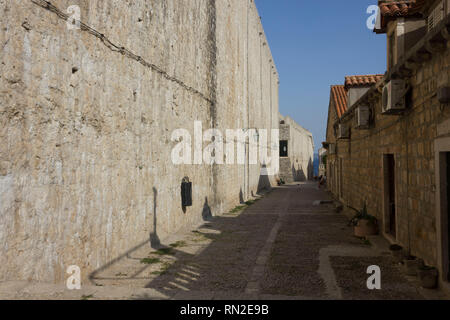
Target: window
<point>283,148</point>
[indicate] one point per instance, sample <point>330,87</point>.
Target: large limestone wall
<point>248,95</point>
<point>87,116</point>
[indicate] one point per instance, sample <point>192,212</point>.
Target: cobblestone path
<point>291,244</point>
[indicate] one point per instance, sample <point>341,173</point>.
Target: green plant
<point>426,268</point>
<point>237,209</point>
<point>363,215</point>
<point>324,161</point>
<point>198,236</point>
<point>165,266</point>
<point>178,244</point>
<point>164,251</point>
<point>84,297</point>
<point>150,260</point>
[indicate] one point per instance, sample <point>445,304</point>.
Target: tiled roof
<point>395,9</point>
<point>339,96</point>
<point>365,80</point>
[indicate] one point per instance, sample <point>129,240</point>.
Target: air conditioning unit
<point>343,131</point>
<point>362,117</point>
<point>436,16</point>
<point>332,148</point>
<point>393,100</point>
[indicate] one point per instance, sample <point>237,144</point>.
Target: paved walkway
<point>289,245</point>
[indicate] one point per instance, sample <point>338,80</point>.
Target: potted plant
<point>397,252</point>
<point>411,265</point>
<point>364,224</point>
<point>428,277</point>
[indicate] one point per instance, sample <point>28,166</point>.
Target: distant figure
<point>322,181</point>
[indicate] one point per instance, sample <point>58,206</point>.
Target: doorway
<point>444,194</point>
<point>389,195</point>
<point>447,217</point>
<point>284,149</point>
<point>341,180</point>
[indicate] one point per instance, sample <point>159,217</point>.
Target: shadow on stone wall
<point>153,242</point>
<point>263,182</point>
<point>310,169</point>
<point>140,251</point>
<point>109,271</point>
<point>97,276</point>
<point>226,262</point>
<point>154,239</point>
<point>298,175</point>
<point>206,213</point>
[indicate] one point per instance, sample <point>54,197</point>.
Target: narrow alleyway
<point>287,245</point>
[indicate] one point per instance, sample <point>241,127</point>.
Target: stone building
<point>87,113</point>
<point>390,147</point>
<point>296,151</point>
<point>322,162</point>
<point>341,96</point>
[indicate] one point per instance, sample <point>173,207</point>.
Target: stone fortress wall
<point>298,165</point>
<point>86,118</point>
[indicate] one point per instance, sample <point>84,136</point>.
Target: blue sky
<point>315,44</point>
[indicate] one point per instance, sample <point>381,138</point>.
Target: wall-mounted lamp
<point>186,192</point>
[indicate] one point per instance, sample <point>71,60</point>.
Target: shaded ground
<point>285,246</point>
<point>351,277</point>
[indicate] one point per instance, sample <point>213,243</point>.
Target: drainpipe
<point>407,182</point>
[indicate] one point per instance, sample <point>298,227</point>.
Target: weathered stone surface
<point>355,173</point>
<point>298,166</point>
<point>265,252</point>
<point>86,118</point>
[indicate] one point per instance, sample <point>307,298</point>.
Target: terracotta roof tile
<point>400,8</point>
<point>363,80</point>
<point>391,9</point>
<point>339,96</point>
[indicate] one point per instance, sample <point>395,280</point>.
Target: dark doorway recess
<point>446,218</point>
<point>391,206</point>
<point>283,148</point>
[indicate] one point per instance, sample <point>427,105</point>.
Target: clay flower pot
<point>365,228</point>
<point>411,265</point>
<point>397,252</point>
<point>428,277</point>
